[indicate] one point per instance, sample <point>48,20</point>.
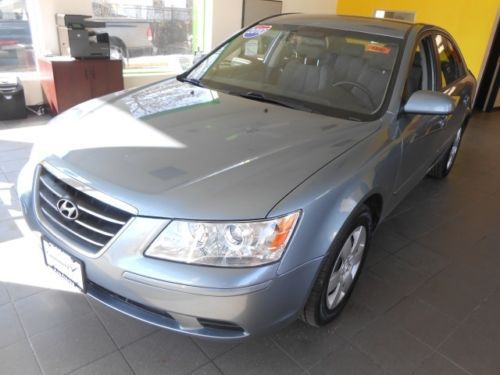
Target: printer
<point>77,41</point>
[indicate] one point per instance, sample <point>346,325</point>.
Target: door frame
<point>495,34</point>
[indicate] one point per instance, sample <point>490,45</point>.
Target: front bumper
<point>211,302</point>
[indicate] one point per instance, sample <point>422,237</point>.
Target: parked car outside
<point>139,30</point>
<point>15,45</point>
<point>245,193</point>
<point>128,37</point>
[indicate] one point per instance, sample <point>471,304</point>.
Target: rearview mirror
<point>429,103</point>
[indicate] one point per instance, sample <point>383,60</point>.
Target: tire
<point>324,303</point>
<point>118,49</point>
<point>443,167</point>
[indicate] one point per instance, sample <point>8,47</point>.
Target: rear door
<point>452,81</point>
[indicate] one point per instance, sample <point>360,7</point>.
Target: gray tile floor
<point>428,301</point>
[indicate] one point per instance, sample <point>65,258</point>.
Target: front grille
<point>97,222</point>
<point>97,290</point>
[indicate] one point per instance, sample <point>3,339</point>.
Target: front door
<point>419,133</point>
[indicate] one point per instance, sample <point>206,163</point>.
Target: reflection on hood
<point>166,96</point>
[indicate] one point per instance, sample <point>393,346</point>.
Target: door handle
<point>86,74</point>
<point>438,125</point>
<point>442,122</point>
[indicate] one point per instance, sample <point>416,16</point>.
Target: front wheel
<point>340,270</point>
<point>444,165</point>
<point>116,53</point>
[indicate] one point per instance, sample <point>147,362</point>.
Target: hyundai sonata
<point>244,193</point>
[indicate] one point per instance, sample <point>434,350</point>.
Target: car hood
<point>175,150</point>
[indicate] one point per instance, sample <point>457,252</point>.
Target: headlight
<point>224,244</point>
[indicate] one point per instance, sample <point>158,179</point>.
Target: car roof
<point>377,26</point>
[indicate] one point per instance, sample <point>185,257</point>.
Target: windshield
<point>335,72</point>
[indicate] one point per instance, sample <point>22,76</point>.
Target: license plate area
<point>66,265</point>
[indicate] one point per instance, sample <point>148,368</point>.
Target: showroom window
<point>156,36</point>
<point>16,49</point>
<point>450,61</point>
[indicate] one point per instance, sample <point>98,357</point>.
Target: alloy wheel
<point>346,267</point>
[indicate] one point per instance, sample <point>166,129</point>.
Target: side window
<point>420,75</point>
<point>450,61</point>
<point>414,80</point>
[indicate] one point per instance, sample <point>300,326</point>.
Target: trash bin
<point>12,102</point>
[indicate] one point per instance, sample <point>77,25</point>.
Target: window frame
<point>431,62</point>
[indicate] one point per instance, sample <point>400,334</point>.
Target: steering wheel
<point>363,89</point>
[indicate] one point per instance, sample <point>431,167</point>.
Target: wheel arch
<point>322,230</point>
<point>363,176</point>
<point>117,41</point>
<point>375,203</point>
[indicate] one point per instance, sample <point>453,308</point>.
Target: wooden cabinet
<point>66,83</point>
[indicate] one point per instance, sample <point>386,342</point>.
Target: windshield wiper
<point>192,81</point>
<point>269,99</point>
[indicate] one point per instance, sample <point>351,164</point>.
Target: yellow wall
<point>469,21</point>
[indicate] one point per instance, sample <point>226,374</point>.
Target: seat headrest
<point>418,60</point>
<point>312,48</point>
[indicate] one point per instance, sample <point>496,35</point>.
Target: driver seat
<point>305,74</point>
<point>375,78</point>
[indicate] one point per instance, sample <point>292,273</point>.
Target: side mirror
<point>429,103</point>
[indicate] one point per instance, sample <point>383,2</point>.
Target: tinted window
<point>329,71</point>
<point>421,73</point>
<point>450,61</point>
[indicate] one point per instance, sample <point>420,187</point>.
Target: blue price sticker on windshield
<point>256,31</point>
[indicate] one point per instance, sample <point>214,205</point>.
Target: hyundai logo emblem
<point>67,209</point>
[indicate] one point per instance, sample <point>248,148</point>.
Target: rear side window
<point>450,61</point>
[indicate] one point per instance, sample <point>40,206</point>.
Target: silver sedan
<point>244,193</point>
